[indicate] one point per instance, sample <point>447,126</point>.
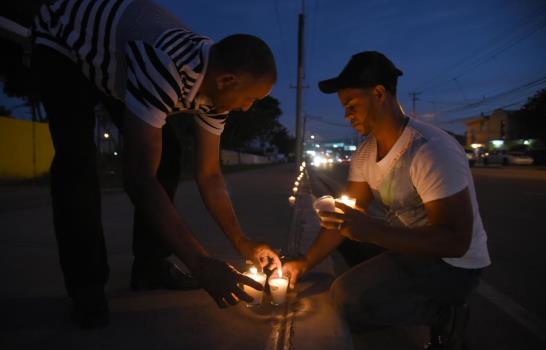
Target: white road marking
<point>517,312</point>
<point>534,194</point>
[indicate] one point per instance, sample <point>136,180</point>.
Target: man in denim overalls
<point>416,200</point>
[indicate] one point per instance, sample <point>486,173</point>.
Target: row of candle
<point>278,286</point>
<point>295,189</point>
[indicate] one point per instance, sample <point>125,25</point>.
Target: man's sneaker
<point>447,332</point>
<point>90,309</point>
<point>162,275</point>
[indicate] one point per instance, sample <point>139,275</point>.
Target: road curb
<point>310,320</point>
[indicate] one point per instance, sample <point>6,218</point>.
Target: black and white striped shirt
<point>135,51</point>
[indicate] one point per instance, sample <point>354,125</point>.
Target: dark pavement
<point>35,310</point>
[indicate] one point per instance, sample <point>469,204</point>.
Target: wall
<point>234,158</point>
<point>20,158</point>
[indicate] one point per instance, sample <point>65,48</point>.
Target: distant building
<point>484,129</point>
<point>500,130</point>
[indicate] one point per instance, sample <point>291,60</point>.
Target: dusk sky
<point>454,53</point>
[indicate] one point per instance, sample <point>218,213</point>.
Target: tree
<point>285,143</point>
<point>531,118</point>
<point>257,123</point>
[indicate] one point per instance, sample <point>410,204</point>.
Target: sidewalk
<point>35,309</point>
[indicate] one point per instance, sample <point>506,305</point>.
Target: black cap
<point>365,69</point>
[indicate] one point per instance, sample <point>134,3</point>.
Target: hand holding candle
<point>259,253</point>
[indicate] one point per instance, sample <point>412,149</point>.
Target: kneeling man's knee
<point>343,299</point>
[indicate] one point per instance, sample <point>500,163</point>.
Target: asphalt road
<point>508,311</point>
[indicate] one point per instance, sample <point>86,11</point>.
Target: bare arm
<point>217,200</point>
<point>211,184</point>
<point>327,240</point>
<point>448,234</point>
<point>142,153</point>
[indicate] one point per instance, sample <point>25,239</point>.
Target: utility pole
<point>414,98</point>
<point>299,131</point>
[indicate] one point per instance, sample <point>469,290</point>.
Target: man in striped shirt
<point>143,64</point>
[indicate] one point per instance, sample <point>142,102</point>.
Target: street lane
<point>513,207</point>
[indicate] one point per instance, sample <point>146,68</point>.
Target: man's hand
<point>260,253</point>
<point>294,269</point>
<point>329,223</point>
<point>353,224</point>
<point>222,282</point>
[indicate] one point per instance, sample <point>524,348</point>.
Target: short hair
<point>244,53</point>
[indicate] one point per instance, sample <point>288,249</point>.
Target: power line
<point>488,111</point>
<point>499,96</point>
<point>504,48</point>
<point>506,38</point>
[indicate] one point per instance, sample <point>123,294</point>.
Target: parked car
<point>538,155</point>
<point>518,158</point>
<point>494,158</point>
<point>506,158</point>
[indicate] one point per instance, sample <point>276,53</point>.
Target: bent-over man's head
<point>241,71</point>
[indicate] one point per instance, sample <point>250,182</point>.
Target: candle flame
<point>280,272</point>
<point>253,270</point>
<point>344,197</point>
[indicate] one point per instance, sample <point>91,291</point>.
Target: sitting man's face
<point>361,108</point>
<point>239,92</point>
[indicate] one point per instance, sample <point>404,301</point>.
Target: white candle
<point>350,202</point>
<point>325,203</point>
<point>256,295</point>
<point>278,286</point>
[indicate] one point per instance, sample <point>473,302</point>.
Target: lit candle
<point>350,202</point>
<point>297,183</point>
<point>295,189</point>
<point>292,200</point>
<point>278,286</point>
<point>256,295</point>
